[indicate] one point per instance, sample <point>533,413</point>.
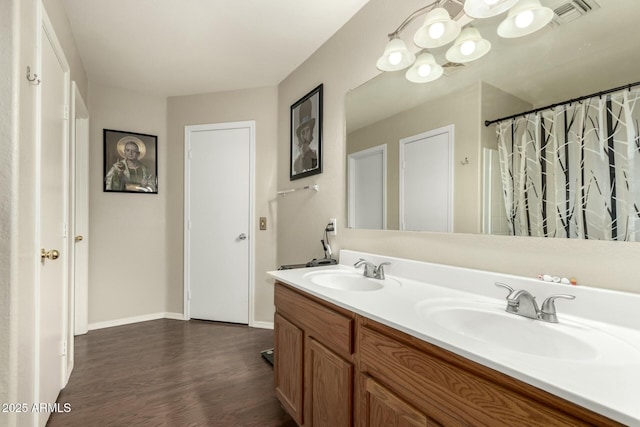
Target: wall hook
<point>35,80</point>
<point>465,161</point>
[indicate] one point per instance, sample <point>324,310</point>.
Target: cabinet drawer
<point>321,321</point>
<point>434,385</point>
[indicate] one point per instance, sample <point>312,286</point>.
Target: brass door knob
<point>79,238</point>
<point>52,254</point>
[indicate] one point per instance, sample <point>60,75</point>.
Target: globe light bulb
<point>424,70</point>
<point>436,30</point>
<point>395,58</point>
<point>524,19</point>
<point>468,47</point>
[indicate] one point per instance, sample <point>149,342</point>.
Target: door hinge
<point>63,348</point>
<point>189,294</point>
<point>64,230</point>
<point>66,112</point>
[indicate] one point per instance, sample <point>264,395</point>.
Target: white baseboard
<point>156,316</point>
<point>135,319</point>
<point>174,316</point>
<point>262,325</point>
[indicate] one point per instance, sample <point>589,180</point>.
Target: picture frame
<point>130,162</point>
<point>306,135</point>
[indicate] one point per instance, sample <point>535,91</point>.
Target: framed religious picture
<point>130,162</point>
<point>306,135</point>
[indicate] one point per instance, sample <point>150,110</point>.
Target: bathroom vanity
<point>433,345</point>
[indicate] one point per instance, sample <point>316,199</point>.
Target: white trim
<point>486,190</point>
<point>251,125</point>
<point>174,316</point>
<point>79,121</point>
<point>261,325</point>
<point>449,130</point>
<point>37,208</point>
<point>135,319</point>
<point>351,159</point>
<point>45,29</point>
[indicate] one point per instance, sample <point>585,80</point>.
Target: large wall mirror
<point>596,51</point>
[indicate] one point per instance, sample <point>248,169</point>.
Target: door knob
<point>79,238</point>
<point>52,254</point>
<point>242,236</point>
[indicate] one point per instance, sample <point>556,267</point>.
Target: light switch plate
<point>263,223</point>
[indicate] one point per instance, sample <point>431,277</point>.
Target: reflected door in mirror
<point>426,181</point>
<point>367,177</point>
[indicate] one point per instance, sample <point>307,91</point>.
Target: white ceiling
<point>182,47</point>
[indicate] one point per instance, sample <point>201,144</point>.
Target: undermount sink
<point>346,281</point>
<point>491,324</point>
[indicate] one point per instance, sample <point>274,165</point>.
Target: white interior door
<point>52,207</point>
<point>218,214</point>
<point>79,300</point>
<point>426,181</point>
<point>368,188</point>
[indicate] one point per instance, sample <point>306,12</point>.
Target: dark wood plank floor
<point>172,373</point>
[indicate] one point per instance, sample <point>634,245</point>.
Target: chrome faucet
<point>548,310</point>
<point>370,269</point>
<point>522,303</point>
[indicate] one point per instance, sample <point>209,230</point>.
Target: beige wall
<point>346,61</point>
<point>252,104</point>
<point>128,252</point>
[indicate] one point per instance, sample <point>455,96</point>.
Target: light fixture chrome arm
<point>413,16</point>
<point>422,11</point>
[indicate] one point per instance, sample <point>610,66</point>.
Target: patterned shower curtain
<point>574,171</point>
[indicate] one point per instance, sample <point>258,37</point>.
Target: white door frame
<point>351,214</point>
<point>79,130</point>
<point>449,129</point>
<point>251,125</point>
<point>45,29</point>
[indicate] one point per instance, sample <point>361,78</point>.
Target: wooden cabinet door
<point>288,368</point>
<point>385,409</point>
<point>329,386</point>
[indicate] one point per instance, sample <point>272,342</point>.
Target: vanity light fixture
<point>439,29</point>
<point>396,56</point>
<point>468,47</point>
<point>487,8</point>
<point>425,69</point>
<point>525,18</point>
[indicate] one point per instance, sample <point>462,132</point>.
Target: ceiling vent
<point>452,67</point>
<point>565,11</point>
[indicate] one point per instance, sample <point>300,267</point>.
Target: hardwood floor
<point>172,373</point>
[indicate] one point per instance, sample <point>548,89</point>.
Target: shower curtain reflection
<point>574,171</point>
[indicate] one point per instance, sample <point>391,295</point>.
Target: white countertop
<point>606,382</point>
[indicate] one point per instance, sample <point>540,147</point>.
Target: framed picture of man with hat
<point>130,162</point>
<point>306,135</point>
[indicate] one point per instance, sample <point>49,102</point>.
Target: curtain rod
<point>604,92</point>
